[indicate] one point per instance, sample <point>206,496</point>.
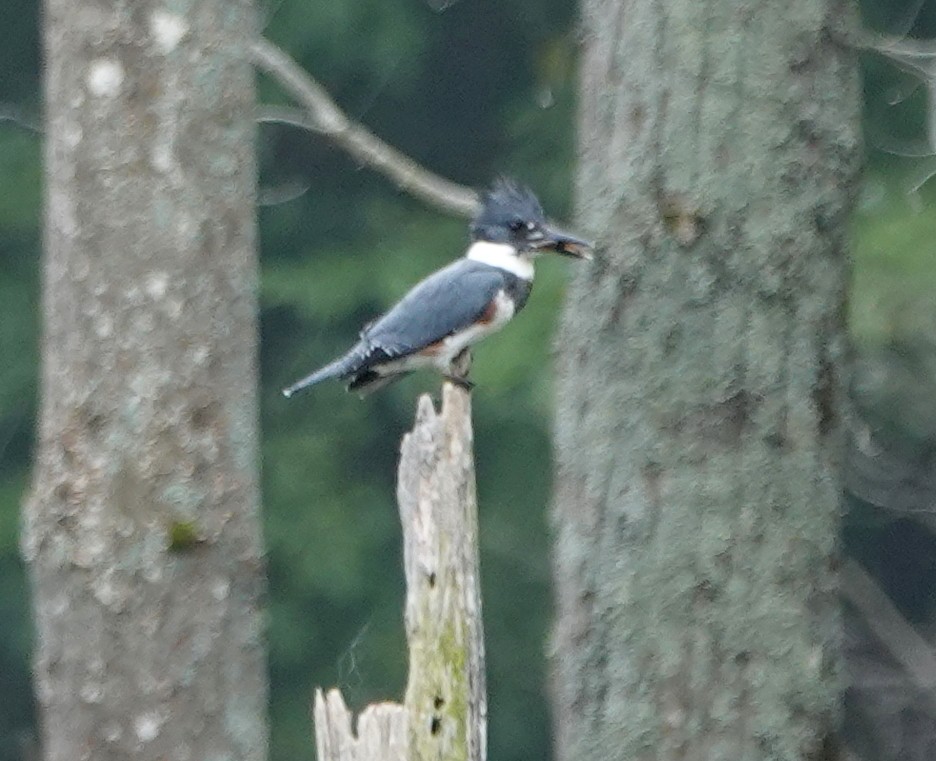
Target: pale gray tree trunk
<point>699,422</point>
<point>142,532</point>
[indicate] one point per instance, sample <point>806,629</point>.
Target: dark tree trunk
<point>699,423</point>
<point>142,532</point>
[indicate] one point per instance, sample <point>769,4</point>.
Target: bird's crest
<point>506,200</point>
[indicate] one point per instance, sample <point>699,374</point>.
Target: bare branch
<point>10,112</point>
<point>282,193</point>
<point>917,57</point>
<point>910,649</point>
<point>326,118</point>
<point>902,48</point>
<point>293,117</point>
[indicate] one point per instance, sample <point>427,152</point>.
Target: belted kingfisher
<point>437,322</point>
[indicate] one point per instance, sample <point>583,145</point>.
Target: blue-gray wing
<point>447,301</point>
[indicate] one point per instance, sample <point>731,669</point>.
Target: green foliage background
<point>472,90</point>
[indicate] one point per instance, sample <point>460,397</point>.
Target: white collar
<point>503,256</point>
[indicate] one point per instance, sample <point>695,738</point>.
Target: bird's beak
<point>564,243</point>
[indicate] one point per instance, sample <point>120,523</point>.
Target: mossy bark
<point>444,714</point>
<point>142,531</point>
<point>699,419</point>
<point>445,691</point>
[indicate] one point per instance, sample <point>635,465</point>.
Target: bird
<point>438,321</point>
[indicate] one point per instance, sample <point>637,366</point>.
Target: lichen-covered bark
<point>444,714</point>
<point>142,531</point>
<point>698,425</point>
<point>445,691</point>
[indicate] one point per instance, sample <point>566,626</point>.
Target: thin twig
<point>905,47</point>
<point>909,649</point>
<point>326,118</point>
<point>918,57</point>
<point>10,112</point>
<point>293,117</point>
<point>282,193</point>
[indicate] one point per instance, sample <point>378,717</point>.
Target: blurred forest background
<point>470,88</point>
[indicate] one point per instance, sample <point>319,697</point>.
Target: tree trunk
<point>142,532</point>
<point>699,420</point>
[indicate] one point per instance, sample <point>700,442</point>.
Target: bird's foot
<point>460,381</point>
<point>459,369</point>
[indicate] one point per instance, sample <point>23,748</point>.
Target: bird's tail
<point>336,369</point>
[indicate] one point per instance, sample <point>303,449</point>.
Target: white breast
<point>503,312</point>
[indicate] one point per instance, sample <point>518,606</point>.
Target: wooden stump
<point>443,717</point>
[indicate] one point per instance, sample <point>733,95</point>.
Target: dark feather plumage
<point>506,207</point>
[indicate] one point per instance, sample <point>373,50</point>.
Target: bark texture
<point>699,419</point>
<point>142,532</point>
<point>444,714</point>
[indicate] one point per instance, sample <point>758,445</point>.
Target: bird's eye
<point>516,225</point>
